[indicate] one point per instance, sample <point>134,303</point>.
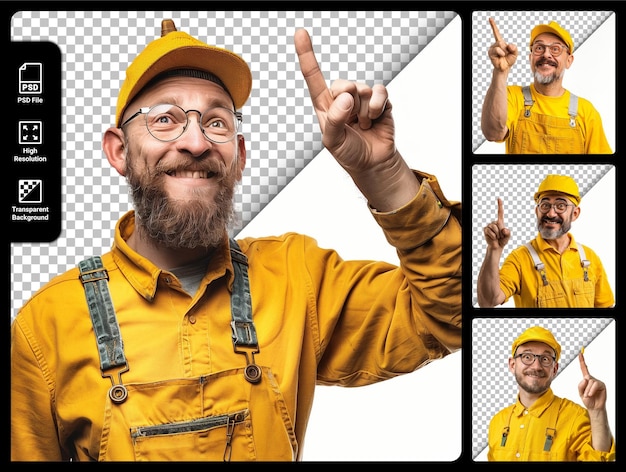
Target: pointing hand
<point>502,55</point>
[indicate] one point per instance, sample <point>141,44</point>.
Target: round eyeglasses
<point>538,49</point>
<point>167,122</point>
<point>528,358</point>
<point>560,207</point>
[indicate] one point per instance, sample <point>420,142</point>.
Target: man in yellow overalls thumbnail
<point>543,117</point>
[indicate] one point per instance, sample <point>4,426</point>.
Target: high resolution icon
<point>30,132</point>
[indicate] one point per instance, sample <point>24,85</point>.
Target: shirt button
<point>517,454</point>
<point>521,426</point>
<point>192,319</point>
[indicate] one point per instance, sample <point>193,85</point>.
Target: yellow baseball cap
<point>559,183</point>
<point>177,50</point>
<point>554,28</point>
<point>539,334</point>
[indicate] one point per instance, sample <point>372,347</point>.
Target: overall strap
<point>539,266</point>
<point>243,331</point>
<point>572,111</point>
<point>584,262</point>
<point>528,100</point>
<point>553,415</point>
<point>94,278</point>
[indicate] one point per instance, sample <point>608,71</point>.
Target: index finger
<point>500,211</point>
<point>494,28</point>
<point>583,365</point>
<point>320,95</point>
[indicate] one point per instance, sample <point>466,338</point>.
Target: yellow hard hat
<point>561,184</point>
<point>177,50</point>
<point>554,28</point>
<point>539,334</point>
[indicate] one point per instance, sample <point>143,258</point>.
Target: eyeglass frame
<point>548,48</point>
<point>553,205</point>
<point>535,357</point>
<point>145,110</point>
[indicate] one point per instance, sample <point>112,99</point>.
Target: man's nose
<point>193,138</point>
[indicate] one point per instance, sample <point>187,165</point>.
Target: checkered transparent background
<point>516,184</point>
<point>280,126</point>
<point>493,386</point>
<point>515,27</point>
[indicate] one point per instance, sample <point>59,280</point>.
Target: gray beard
<point>547,79</point>
<point>556,233</point>
<point>550,234</point>
<point>181,225</point>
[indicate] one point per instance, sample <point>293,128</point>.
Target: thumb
<point>337,116</point>
<point>341,108</point>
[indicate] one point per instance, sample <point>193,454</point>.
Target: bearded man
<point>543,117</point>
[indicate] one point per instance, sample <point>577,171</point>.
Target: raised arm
<point>358,129</point>
<point>494,112</point>
<point>497,235</point>
<point>593,394</point>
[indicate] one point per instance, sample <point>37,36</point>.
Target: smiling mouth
<point>191,174</point>
<point>536,375</point>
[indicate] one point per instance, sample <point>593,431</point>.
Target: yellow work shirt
<point>553,120</point>
<point>568,289</point>
<point>319,319</point>
<point>553,423</point>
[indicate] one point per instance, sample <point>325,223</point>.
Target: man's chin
<point>544,79</point>
<point>548,235</point>
<point>535,386</point>
<point>182,195</point>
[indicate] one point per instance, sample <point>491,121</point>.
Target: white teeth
<point>190,174</point>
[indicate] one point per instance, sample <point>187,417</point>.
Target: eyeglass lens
<point>540,48</point>
<point>167,122</point>
<point>559,207</point>
<point>528,359</point>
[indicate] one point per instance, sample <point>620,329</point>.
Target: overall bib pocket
<point>201,419</point>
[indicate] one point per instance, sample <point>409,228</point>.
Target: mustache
<point>541,62</point>
<point>538,373</point>
<point>213,167</point>
<point>552,220</point>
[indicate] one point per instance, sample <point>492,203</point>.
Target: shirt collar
<point>143,275</point>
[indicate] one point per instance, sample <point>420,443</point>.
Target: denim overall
<point>551,293</point>
<point>544,134</point>
<point>208,418</point>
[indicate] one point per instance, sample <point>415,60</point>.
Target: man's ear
<point>241,145</point>
<point>511,365</point>
<point>113,145</point>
